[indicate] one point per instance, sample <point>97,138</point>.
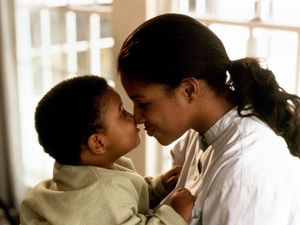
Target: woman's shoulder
<point>186,145</point>
<point>189,138</point>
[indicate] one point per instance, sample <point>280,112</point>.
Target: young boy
<point>82,124</point>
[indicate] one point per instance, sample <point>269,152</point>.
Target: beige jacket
<point>88,195</point>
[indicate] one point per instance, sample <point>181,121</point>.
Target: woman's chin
<point>163,141</point>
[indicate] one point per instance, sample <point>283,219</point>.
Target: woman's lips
<point>150,130</point>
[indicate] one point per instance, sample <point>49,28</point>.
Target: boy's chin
<point>138,142</point>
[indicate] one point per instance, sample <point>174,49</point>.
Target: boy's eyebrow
<point>133,97</point>
<point>120,106</point>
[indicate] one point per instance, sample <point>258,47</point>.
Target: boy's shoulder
<point>126,163</point>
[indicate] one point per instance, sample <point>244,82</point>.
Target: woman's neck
<point>206,116</point>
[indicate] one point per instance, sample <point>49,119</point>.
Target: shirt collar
<point>220,126</point>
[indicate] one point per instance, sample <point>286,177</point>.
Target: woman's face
<point>164,113</point>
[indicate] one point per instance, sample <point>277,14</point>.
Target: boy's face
<point>122,133</point>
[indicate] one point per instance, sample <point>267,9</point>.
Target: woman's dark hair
<point>68,114</point>
<point>170,47</point>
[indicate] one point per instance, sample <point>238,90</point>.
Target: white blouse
<point>241,173</point>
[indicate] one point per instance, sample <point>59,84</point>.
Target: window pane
<point>53,3</point>
<point>228,9</point>
<point>83,62</point>
<point>58,27</point>
<point>81,2</point>
<point>35,28</point>
<point>282,59</point>
<point>234,38</point>
<point>104,1</point>
<point>83,26</point>
<point>37,72</point>
<point>105,26</point>
<point>30,2</point>
<point>59,67</point>
<point>106,63</point>
<point>285,11</point>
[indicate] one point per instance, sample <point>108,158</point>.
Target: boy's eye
<point>143,105</point>
<point>124,112</point>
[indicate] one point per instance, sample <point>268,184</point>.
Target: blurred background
<point>43,42</point>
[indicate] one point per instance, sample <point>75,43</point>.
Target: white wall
<point>126,16</point>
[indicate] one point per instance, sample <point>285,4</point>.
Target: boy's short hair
<point>68,114</point>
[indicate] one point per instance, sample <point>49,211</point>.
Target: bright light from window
<point>55,43</point>
<point>282,58</point>
<point>81,2</point>
<point>234,38</point>
<point>234,9</point>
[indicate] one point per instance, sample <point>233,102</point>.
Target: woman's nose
<point>138,116</point>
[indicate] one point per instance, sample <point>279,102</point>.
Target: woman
<point>241,148</point>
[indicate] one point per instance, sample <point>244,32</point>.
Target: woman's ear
<point>190,88</point>
<point>97,143</point>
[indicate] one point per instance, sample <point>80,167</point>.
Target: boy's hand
<point>170,178</point>
<point>182,201</point>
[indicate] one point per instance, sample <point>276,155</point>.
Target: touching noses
<point>138,115</point>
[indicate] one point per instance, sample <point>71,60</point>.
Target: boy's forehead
<point>114,94</point>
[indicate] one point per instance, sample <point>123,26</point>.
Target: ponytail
<point>256,88</point>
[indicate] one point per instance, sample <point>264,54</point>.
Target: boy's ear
<point>190,88</point>
<point>97,143</point>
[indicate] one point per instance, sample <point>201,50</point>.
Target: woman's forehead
<point>138,90</point>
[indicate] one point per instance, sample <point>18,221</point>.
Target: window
<point>56,39</point>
